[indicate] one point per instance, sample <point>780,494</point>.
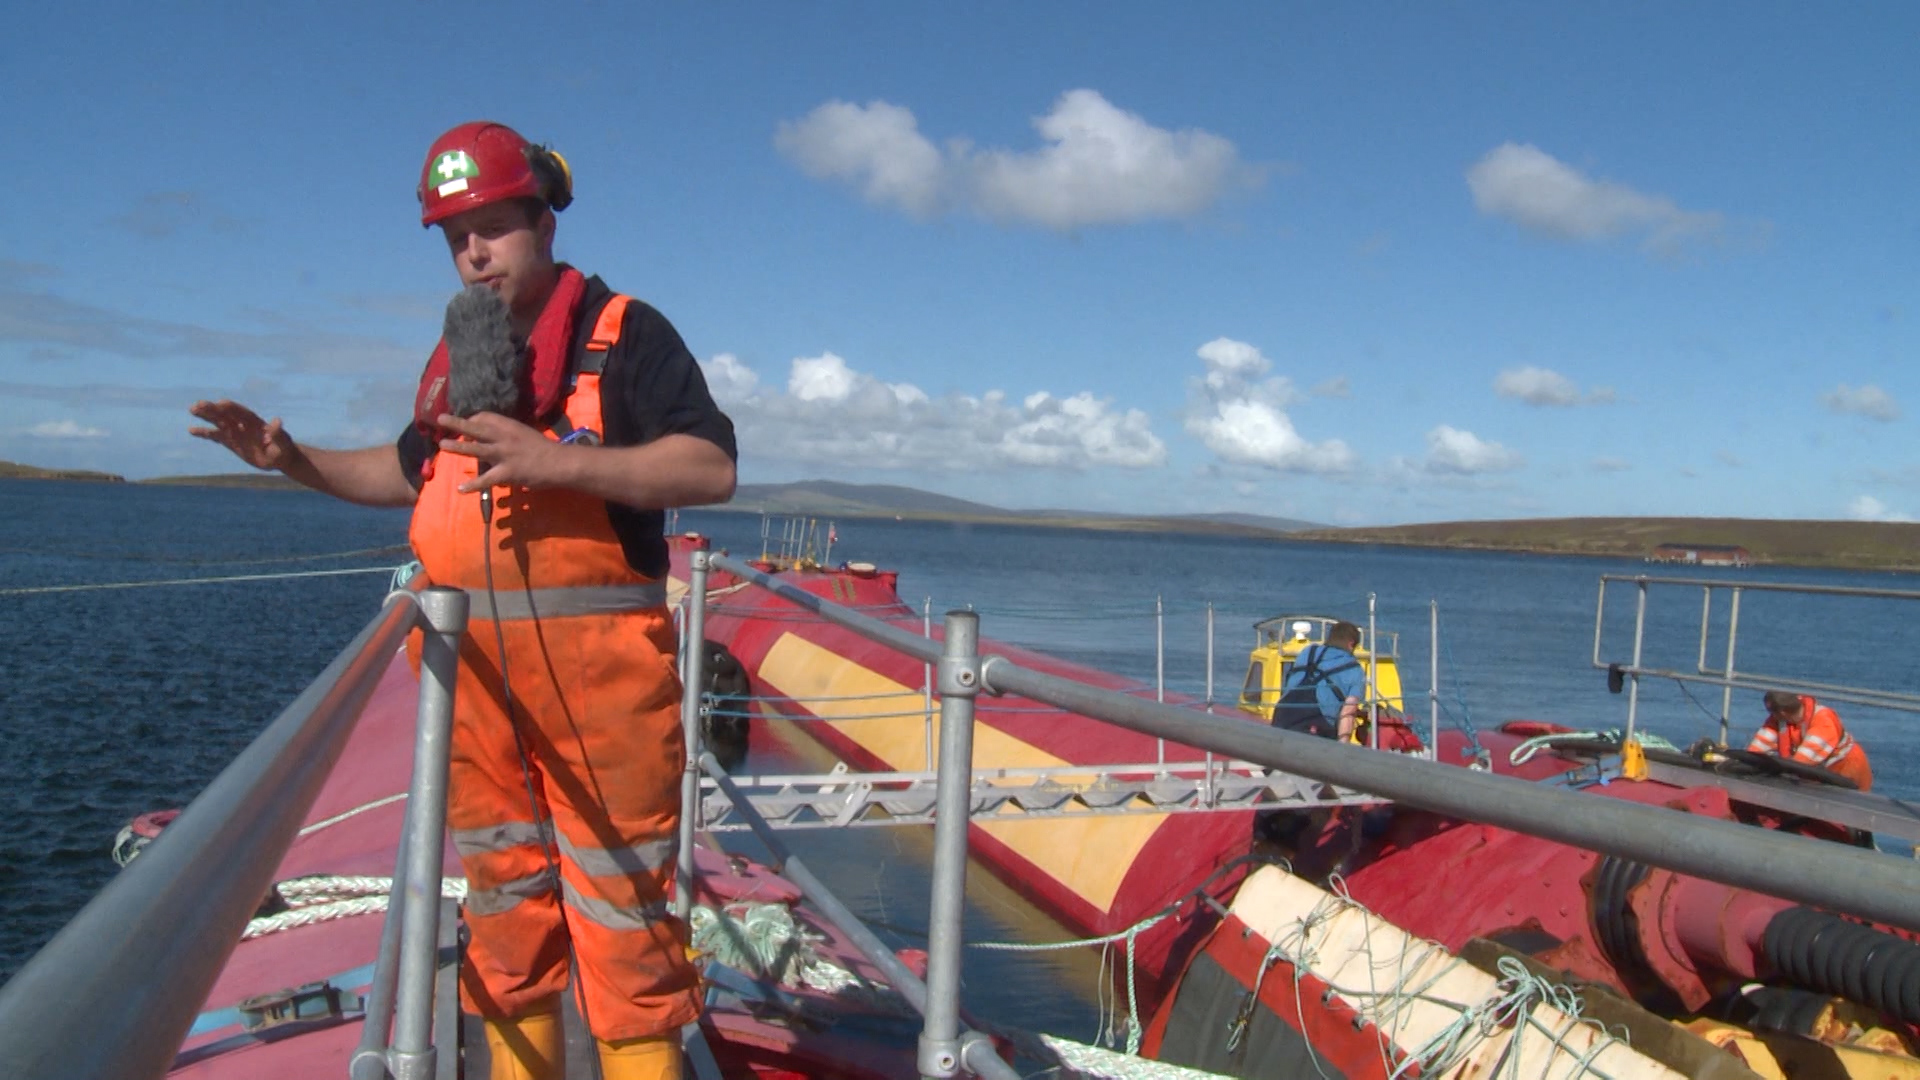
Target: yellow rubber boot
<point>652,1057</point>
<point>530,1047</point>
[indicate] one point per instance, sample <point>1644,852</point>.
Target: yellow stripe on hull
<point>1088,855</point>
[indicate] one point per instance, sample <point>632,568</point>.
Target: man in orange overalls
<point>566,745</point>
<point>1801,729</point>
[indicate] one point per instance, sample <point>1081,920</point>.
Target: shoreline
<point>1876,547</point>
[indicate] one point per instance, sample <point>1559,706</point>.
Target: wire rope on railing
<point>39,590</point>
<point>141,557</point>
<point>812,699</point>
<point>1459,682</point>
<point>799,616</point>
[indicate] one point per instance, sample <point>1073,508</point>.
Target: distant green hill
<point>829,497</point>
<point>1863,545</point>
<point>11,470</point>
<point>833,497</point>
<point>268,480</point>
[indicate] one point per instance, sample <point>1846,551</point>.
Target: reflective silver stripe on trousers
<point>648,857</point>
<point>610,915</point>
<point>508,894</point>
<point>509,604</point>
<point>495,838</point>
<point>471,842</point>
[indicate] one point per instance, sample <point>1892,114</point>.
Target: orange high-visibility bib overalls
<point>595,696</point>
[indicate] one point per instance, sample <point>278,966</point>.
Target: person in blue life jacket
<point>1324,689</point>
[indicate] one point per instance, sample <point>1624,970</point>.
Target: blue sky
<point>1345,263</point>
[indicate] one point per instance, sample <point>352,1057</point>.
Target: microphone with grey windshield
<point>483,364</point>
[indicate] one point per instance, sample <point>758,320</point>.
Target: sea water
<point>126,699</point>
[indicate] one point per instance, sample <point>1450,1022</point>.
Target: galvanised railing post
<point>693,679</point>
<point>926,688</point>
<point>1733,634</point>
<point>1160,668</point>
<point>1639,638</point>
<point>1209,656</point>
<point>1206,793</point>
<point>445,613</point>
<point>369,1061</point>
<point>959,682</point>
<point>1373,666</point>
<point>1433,679</point>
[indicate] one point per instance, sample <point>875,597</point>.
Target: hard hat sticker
<point>454,168</point>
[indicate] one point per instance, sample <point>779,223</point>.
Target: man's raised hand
<point>263,444</point>
<point>510,453</point>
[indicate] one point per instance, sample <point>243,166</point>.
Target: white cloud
<point>1536,386</point>
<point>65,429</point>
<point>830,413</point>
<point>1543,388</point>
<point>1868,400</point>
<point>1453,451</point>
<point>1868,508</point>
<point>876,147</point>
<point>1533,189</point>
<point>1336,387</point>
<point>1099,165</point>
<point>729,379</point>
<point>1242,417</point>
<point>1233,363</point>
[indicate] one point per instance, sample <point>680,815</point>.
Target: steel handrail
<point>115,992</point>
<point>1770,586</point>
<point>1726,677</point>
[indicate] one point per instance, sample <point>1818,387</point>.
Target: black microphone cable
<point>541,824</point>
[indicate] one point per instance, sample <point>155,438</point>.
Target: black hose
<point>1822,951</point>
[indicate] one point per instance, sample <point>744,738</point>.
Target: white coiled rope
<point>323,898</point>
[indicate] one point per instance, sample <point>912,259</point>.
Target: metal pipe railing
<point>412,1055</point>
<point>115,992</point>
<point>693,684</point>
<point>901,641</point>
<point>959,680</point>
<point>1433,680</point>
<point>1633,679</point>
<point>1726,678</point>
<point>1726,692</point>
<point>1764,586</point>
<point>369,1061</point>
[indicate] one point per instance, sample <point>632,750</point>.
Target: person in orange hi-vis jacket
<point>542,496</point>
<point>1801,729</point>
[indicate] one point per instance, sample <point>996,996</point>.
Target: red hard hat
<point>480,163</point>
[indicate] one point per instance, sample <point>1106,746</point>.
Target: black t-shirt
<point>651,387</point>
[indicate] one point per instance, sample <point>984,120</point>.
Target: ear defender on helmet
<point>555,177</point>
